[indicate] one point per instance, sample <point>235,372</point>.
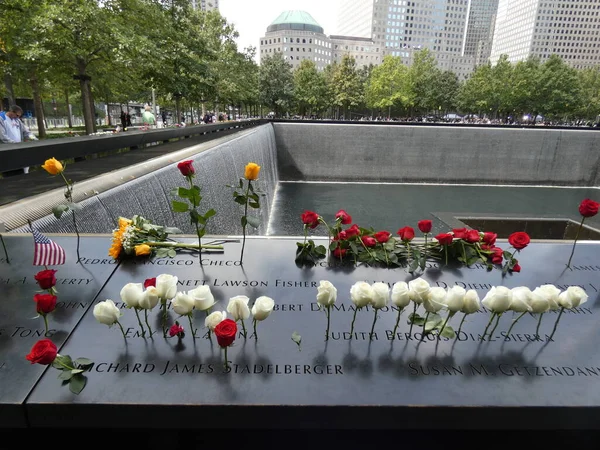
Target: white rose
<point>539,303</point>
<point>381,295</point>
<point>498,299</point>
<point>203,298</point>
<point>326,293</point>
<point>400,296</point>
<point>150,298</point>
<point>361,294</point>
<point>550,293</point>
<point>455,299</point>
<point>521,299</point>
<point>132,293</point>
<point>572,297</point>
<point>418,290</point>
<point>238,307</point>
<point>263,306</point>
<point>166,285</point>
<point>436,299</point>
<point>183,303</point>
<point>214,319</point>
<point>107,313</point>
<point>472,302</point>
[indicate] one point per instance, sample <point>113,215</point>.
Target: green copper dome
<point>295,20</point>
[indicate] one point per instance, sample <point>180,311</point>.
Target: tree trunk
<point>10,93</point>
<point>108,111</point>
<point>178,108</point>
<point>84,82</point>
<point>91,105</point>
<point>69,118</point>
<point>37,103</point>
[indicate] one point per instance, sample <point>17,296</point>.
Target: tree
<point>309,87</point>
<point>559,91</point>
<point>389,85</point>
<point>590,92</point>
<point>423,74</point>
<point>475,94</point>
<point>523,86</point>
<point>347,88</point>
<point>445,92</point>
<point>276,83</point>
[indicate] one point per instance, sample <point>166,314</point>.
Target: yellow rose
<point>251,172</point>
<point>142,250</point>
<point>53,166</point>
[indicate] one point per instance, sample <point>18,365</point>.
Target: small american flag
<point>46,252</point>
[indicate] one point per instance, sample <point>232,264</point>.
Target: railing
<point>17,156</point>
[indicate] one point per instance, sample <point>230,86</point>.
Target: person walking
<point>13,130</point>
<point>148,119</point>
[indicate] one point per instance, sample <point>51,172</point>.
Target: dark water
<point>393,206</point>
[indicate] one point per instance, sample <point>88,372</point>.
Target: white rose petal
<point>521,299</point>
<point>203,298</point>
<point>107,313</point>
<point>572,297</point>
<point>263,306</point>
<point>182,303</point>
<point>455,299</point>
<point>436,299</point>
<point>550,293</point>
<point>472,302</point>
<point>539,302</point>
<point>381,295</point>
<point>326,293</point>
<point>238,307</point>
<point>361,294</point>
<point>132,293</point>
<point>418,289</point>
<point>166,285</point>
<point>214,319</point>
<point>400,294</point>
<point>150,298</point>
<point>498,299</point>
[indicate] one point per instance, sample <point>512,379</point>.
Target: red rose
<point>472,236</point>
<point>516,268</point>
<point>486,247</point>
<point>406,233</point>
<point>46,278</point>
<point>186,168</point>
<point>43,352</point>
<point>424,226</point>
<point>344,217</point>
<point>460,233</point>
<point>489,238</point>
<point>149,282</point>
<point>383,236</point>
<point>310,219</point>
<point>369,241</point>
<point>519,240</point>
<point>225,332</point>
<point>353,231</point>
<point>498,255</point>
<point>45,303</point>
<point>445,238</point>
<point>342,236</point>
<point>339,252</point>
<point>176,330</point>
<point>588,208</point>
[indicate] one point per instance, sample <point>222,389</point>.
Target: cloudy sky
<point>252,17</point>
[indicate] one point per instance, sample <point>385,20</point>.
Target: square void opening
<point>536,228</point>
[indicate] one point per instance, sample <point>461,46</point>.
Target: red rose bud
<point>489,238</point>
<point>516,268</point>
<point>46,278</point>
<point>383,236</point>
<point>310,219</point>
<point>225,332</point>
<point>424,226</point>
<point>519,240</point>
<point>342,236</point>
<point>344,217</point>
<point>588,208</point>
<point>45,303</point>
<point>339,252</point>
<point>176,330</point>
<point>460,233</point>
<point>369,241</point>
<point>149,282</point>
<point>43,352</point>
<point>186,168</point>
<point>445,238</point>
<point>472,236</point>
<point>498,255</point>
<point>354,230</point>
<point>406,233</point>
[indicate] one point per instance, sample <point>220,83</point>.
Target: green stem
<point>397,322</point>
<point>139,322</point>
<point>575,242</point>
<point>147,324</point>
<point>329,233</point>
<point>353,319</point>
<point>496,324</point>
<point>446,252</point>
<point>45,323</point>
<point>488,325</point>
<point>450,314</point>
<point>425,248</point>
<point>424,323</point>
<point>191,183</point>
<point>226,362</point>
<point>69,196</point>
<point>373,326</point>
<point>122,330</point>
<point>182,245</point>
<point>556,323</point>
<point>244,227</point>
<point>328,310</point>
<point>461,324</point>
<point>191,325</point>
<point>514,323</point>
<point>413,318</point>
<point>255,334</point>
<point>537,329</point>
<point>462,245</point>
<point>243,328</point>
<point>163,306</point>
<point>4,247</point>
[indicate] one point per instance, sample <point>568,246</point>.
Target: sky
<point>252,17</point>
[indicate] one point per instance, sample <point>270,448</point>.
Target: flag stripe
<point>46,252</point>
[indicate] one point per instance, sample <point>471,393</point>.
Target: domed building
<point>297,36</point>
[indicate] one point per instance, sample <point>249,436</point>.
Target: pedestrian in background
<point>148,119</point>
<point>13,130</point>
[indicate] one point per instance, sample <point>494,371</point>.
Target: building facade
<point>363,50</point>
<point>205,5</point>
<point>540,28</point>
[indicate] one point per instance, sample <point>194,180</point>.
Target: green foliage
<point>193,198</point>
<point>276,83</point>
<point>310,91</point>
<point>247,197</point>
<point>346,85</point>
<point>389,85</point>
<point>71,372</point>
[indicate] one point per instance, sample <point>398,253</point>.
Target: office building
<point>205,5</point>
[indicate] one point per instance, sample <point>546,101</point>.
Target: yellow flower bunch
<point>117,239</point>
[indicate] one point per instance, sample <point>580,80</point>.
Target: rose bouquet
<point>139,237</point>
<point>587,208</point>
